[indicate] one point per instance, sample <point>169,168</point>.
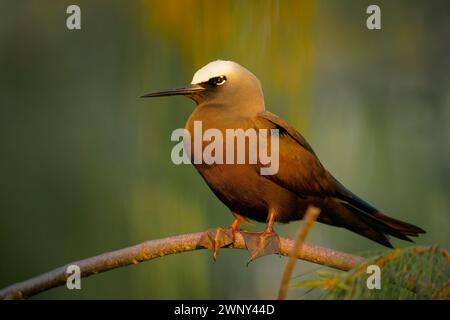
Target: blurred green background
<point>85,164</point>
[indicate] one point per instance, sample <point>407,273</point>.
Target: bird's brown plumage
<point>237,102</point>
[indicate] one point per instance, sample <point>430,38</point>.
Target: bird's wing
<point>286,129</point>
<point>299,168</point>
<point>301,172</point>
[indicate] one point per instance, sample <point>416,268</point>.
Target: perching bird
<point>228,96</point>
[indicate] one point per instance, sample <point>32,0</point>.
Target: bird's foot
<point>261,243</point>
<point>217,238</point>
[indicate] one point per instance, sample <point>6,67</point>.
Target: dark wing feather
<point>286,129</point>
<point>304,175</point>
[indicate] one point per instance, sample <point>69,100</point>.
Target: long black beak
<point>183,90</point>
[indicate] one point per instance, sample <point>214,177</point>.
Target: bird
<point>229,96</point>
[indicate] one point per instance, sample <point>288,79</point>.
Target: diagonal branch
<point>152,249</point>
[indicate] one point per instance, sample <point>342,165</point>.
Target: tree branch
<point>152,249</point>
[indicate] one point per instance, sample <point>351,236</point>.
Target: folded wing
<point>301,172</point>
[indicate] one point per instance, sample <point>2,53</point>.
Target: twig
<point>159,248</point>
<point>310,217</point>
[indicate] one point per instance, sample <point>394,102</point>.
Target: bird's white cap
<point>214,69</point>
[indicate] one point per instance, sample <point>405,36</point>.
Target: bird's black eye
<point>217,81</point>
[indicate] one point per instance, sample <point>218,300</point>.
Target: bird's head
<point>222,84</point>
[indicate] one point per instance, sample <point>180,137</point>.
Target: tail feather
<point>357,215</point>
<point>360,217</point>
<point>380,224</point>
<point>346,216</point>
<point>404,227</point>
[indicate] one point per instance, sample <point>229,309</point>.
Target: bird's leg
<point>238,219</point>
<point>264,242</point>
<point>217,238</point>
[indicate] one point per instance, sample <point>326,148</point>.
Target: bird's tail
<point>405,228</point>
<point>369,222</point>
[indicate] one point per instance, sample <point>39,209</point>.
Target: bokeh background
<point>85,164</point>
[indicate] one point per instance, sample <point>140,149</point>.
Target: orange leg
<point>238,219</point>
<point>270,221</point>
<point>234,226</point>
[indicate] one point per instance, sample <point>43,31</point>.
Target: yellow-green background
<point>85,164</point>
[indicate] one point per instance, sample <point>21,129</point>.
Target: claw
<point>260,244</point>
<point>216,238</point>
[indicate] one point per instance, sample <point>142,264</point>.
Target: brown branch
<point>159,248</point>
<point>310,217</point>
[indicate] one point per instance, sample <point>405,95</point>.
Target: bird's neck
<point>221,116</point>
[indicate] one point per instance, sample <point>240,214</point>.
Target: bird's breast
<point>239,185</point>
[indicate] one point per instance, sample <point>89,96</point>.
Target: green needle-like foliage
<point>410,273</point>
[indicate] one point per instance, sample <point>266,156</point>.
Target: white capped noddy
<point>228,96</point>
